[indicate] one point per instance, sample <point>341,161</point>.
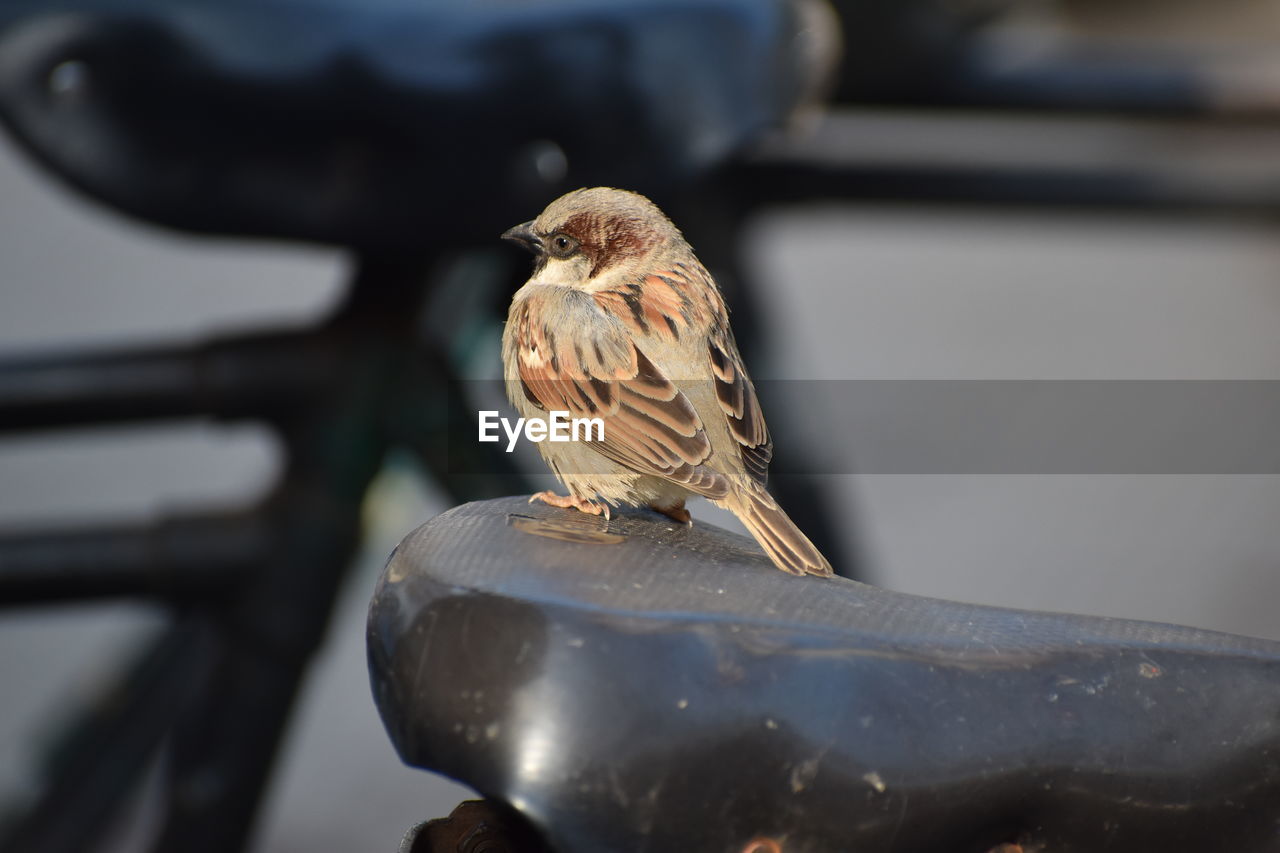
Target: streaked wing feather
<point>649,424</point>
<point>738,401</point>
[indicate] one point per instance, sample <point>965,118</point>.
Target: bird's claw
<point>566,501</point>
<point>676,513</point>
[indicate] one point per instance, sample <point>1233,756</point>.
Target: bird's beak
<point>525,236</point>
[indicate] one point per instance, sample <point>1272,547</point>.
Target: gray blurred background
<point>856,292</point>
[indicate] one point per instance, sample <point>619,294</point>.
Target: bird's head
<point>587,237</point>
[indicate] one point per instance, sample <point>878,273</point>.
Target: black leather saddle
<point>640,686</point>
<point>384,124</point>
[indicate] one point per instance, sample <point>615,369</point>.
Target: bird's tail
<point>785,544</point>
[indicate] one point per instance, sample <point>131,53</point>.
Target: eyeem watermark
<point>559,426</point>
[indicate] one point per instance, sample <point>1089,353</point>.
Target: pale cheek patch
<point>567,272</point>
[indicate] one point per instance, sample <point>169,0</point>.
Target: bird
<point>620,321</point>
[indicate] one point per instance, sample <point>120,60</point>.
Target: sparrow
<point>620,321</point>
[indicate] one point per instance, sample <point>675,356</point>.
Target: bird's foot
<point>550,498</point>
<point>675,512</point>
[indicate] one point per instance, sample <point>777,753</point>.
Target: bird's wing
<point>593,369</point>
<point>737,397</point>
<point>683,299</point>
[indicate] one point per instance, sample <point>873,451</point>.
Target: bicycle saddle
<point>641,686</point>
<point>374,123</point>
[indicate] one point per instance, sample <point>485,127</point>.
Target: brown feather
<point>737,398</point>
<point>649,424</point>
<point>785,544</point>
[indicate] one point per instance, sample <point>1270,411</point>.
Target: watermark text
<point>557,426</point>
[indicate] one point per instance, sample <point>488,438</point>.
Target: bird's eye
<point>562,245</point>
